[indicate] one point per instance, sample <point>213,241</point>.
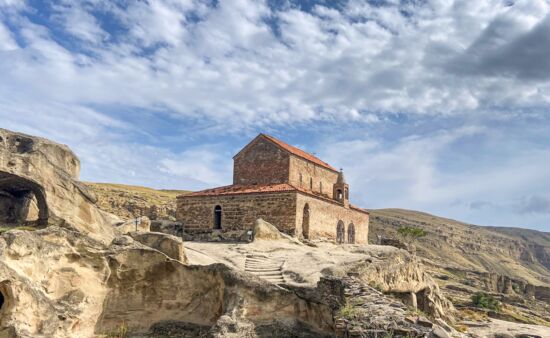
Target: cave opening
<point>1,300</point>
<point>422,301</point>
<point>22,201</point>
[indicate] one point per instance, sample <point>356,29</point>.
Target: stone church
<point>288,187</point>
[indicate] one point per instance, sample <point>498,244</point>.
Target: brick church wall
<point>311,172</point>
<point>239,212</point>
<point>324,216</point>
<point>261,163</point>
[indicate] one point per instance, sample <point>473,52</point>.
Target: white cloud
<point>242,65</point>
<point>205,164</point>
<point>7,41</point>
<point>456,172</point>
<point>78,22</point>
<point>229,66</point>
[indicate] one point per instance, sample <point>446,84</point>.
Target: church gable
<point>261,162</point>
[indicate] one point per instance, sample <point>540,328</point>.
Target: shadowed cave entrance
<point>22,201</point>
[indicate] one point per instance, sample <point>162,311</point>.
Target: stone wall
<point>239,212</point>
<point>324,216</point>
<point>261,162</point>
<point>313,176</point>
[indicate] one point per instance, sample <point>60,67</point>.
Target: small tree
<point>483,300</point>
<point>410,234</point>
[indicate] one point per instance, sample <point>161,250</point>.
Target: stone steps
<point>262,270</point>
<point>265,268</point>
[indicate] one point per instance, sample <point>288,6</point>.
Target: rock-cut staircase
<point>265,268</point>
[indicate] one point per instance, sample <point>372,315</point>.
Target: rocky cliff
<point>509,263</point>
<point>517,253</point>
<point>39,186</point>
<point>70,269</point>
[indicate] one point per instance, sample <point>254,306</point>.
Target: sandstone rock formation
<point>38,174</point>
<point>508,263</point>
<point>59,283</point>
<point>86,273</point>
<point>81,275</point>
<point>400,274</point>
<point>266,230</point>
<point>169,245</point>
<point>139,224</point>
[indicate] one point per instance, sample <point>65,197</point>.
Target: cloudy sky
<point>440,106</point>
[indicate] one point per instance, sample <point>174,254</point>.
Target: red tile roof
<point>243,189</point>
<point>298,152</point>
<point>256,189</point>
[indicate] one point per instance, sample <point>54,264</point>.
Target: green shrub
<point>483,300</point>
<point>347,311</point>
<point>121,331</point>
<point>410,234</point>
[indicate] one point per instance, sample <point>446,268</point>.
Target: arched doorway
<point>22,200</point>
<point>340,232</point>
<point>305,222</point>
<point>217,217</point>
<point>351,233</point>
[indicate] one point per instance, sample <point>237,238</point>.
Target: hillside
<point>513,252</point>
<point>129,201</point>
<point>511,264</point>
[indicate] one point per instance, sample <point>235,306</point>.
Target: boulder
<point>266,231</point>
<point>401,274</point>
<point>39,186</point>
<point>169,245</point>
<point>140,224</point>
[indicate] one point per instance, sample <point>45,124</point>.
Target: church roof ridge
<point>298,152</point>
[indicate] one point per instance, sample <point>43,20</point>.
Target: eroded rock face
<point>169,245</point>
<point>140,224</point>
<point>37,174</point>
<point>401,275</point>
<point>60,283</point>
<point>53,281</point>
<point>81,277</point>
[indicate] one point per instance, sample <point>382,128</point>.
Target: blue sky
<point>440,106</point>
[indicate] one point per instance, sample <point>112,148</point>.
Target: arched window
<point>347,193</point>
<point>217,217</point>
<point>320,187</point>
<point>351,233</point>
<point>340,232</point>
<point>300,179</point>
<point>339,194</point>
<point>311,183</point>
<point>305,222</point>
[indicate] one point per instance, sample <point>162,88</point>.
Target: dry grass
<point>153,193</point>
<point>472,315</point>
<point>23,227</point>
<point>128,200</point>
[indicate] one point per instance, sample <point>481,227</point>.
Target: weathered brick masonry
<point>260,163</point>
<point>239,211</point>
<point>300,194</point>
<point>324,217</point>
